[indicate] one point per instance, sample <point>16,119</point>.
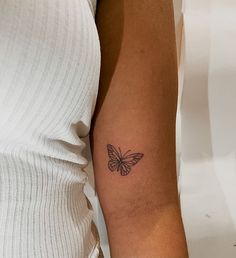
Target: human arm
<point>136,110</point>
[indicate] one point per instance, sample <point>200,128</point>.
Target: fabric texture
<point>49,73</point>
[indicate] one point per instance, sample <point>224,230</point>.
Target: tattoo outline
<point>122,162</point>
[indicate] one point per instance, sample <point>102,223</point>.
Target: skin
<point>136,110</point>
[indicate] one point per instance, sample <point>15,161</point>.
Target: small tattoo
<point>121,162</point>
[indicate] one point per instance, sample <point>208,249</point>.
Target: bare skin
<point>133,130</point>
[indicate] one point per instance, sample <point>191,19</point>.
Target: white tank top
<point>49,73</point>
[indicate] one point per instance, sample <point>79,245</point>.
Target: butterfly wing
<point>113,165</point>
<point>114,156</point>
<point>124,169</point>
<point>129,161</point>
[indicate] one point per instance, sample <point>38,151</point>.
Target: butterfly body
<point>121,162</point>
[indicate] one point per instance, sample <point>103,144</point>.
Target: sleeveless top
<point>49,73</point>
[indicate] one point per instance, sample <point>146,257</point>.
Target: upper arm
<point>136,111</point>
<point>137,36</point>
<point>136,104</point>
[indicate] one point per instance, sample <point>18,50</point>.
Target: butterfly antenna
<point>120,151</point>
<point>126,152</point>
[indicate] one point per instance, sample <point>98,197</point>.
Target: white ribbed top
<point>49,72</point>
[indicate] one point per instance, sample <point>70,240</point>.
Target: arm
<point>136,111</point>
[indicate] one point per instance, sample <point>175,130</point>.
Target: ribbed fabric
<point>49,72</point>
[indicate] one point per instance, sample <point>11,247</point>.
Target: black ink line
<point>122,162</point>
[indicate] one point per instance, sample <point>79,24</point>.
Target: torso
<point>49,72</point>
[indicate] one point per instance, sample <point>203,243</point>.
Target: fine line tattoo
<point>121,162</point>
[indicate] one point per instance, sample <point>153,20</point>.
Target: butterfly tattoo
<point>121,162</point>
